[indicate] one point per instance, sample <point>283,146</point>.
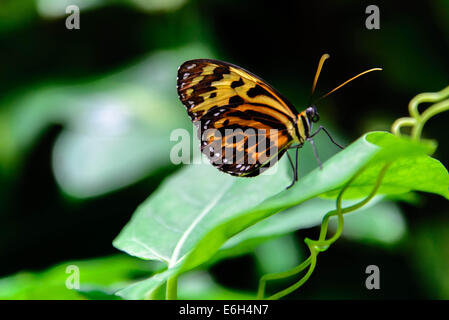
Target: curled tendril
<point>322,244</point>
<point>417,120</point>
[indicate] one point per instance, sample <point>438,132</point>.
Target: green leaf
<point>428,247</point>
<point>57,9</point>
<point>388,227</point>
<point>93,292</point>
<point>278,254</point>
<point>197,210</point>
<point>166,230</point>
<point>305,215</point>
<point>381,224</point>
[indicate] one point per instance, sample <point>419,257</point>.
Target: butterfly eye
<point>312,114</point>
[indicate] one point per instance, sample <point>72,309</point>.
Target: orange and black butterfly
<point>244,124</point>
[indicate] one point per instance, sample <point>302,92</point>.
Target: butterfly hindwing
<point>243,123</point>
<point>243,152</point>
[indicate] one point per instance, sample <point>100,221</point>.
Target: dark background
<point>281,41</point>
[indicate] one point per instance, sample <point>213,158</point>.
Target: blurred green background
<point>86,117</point>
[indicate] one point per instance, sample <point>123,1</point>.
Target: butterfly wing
<point>243,123</point>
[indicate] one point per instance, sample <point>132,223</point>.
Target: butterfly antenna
<point>347,81</point>
<point>323,58</point>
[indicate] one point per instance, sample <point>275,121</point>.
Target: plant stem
<point>280,275</point>
<point>172,289</point>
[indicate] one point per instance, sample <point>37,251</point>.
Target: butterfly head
<point>312,114</point>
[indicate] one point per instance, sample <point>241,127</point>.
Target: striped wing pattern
<point>243,123</point>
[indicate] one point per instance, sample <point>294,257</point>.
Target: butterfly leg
<point>295,167</point>
<point>328,134</point>
<point>315,152</point>
<point>295,173</point>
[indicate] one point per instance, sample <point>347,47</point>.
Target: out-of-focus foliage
<point>117,129</point>
<point>93,277</point>
<point>209,209</point>
<point>57,9</point>
<point>16,13</point>
<point>431,255</point>
<point>382,224</point>
<point>85,123</point>
<point>379,223</point>
<point>200,286</point>
<point>98,282</point>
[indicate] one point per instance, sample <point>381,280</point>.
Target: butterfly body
<point>227,99</point>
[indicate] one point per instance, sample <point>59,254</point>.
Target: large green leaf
<point>381,224</point>
<point>195,212</point>
<point>169,223</point>
<point>378,222</point>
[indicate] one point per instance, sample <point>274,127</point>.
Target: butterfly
<point>245,125</point>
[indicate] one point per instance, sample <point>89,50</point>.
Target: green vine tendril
<point>416,121</point>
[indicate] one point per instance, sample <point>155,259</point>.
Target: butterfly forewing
<point>243,123</point>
